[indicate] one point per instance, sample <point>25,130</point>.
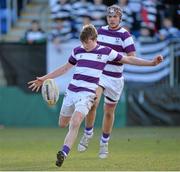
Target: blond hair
<point>88,32</point>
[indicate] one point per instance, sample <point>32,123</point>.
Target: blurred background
<point>36,36</point>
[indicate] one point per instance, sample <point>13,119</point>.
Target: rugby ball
<point>50,91</point>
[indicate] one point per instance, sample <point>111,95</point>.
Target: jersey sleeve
<point>72,59</point>
<point>129,43</point>
<point>114,56</point>
<point>98,30</point>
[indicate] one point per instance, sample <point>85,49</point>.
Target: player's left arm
<point>141,62</point>
<point>132,54</point>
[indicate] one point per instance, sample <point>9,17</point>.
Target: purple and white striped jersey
<point>89,67</point>
<point>121,41</point>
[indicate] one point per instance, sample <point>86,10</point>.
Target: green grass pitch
<point>130,149</point>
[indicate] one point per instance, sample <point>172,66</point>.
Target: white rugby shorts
<point>113,88</point>
<point>77,101</point>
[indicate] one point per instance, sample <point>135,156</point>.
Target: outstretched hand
<point>36,84</point>
<point>158,59</point>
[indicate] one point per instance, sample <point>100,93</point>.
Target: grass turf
<point>130,149</point>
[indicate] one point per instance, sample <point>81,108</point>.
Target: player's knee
<point>93,108</point>
<point>76,120</point>
<point>109,114</point>
<point>109,110</point>
<point>92,111</point>
<point>62,124</point>
<point>95,105</point>
<point>96,102</point>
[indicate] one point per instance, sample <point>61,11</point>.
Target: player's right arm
<point>58,72</point>
<point>36,84</point>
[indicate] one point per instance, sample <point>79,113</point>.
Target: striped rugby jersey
<point>89,67</point>
<point>121,41</point>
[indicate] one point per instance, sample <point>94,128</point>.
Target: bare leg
<point>75,123</point>
<point>108,119</point>
<point>71,136</point>
<point>90,118</point>
<point>89,123</point>
<point>64,121</point>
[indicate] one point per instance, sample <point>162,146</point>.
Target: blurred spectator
<point>139,17</point>
<point>135,7</point>
<point>61,9</point>
<point>172,10</point>
<point>98,13</point>
<point>52,3</point>
<point>147,34</point>
<point>61,32</point>
<point>149,14</point>
<point>168,30</point>
<point>127,18</point>
<point>62,21</point>
<point>35,34</point>
<point>80,11</point>
<point>86,20</point>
